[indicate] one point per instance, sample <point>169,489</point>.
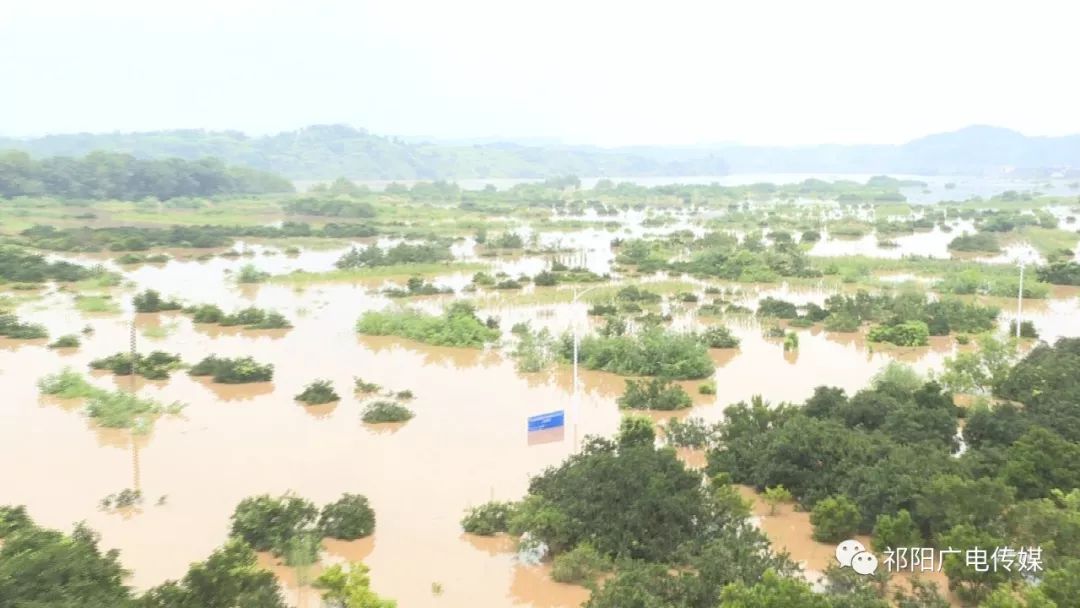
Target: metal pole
<point>1020,300</point>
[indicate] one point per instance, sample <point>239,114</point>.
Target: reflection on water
<point>466,445</point>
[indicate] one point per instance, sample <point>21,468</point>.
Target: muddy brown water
<point>466,445</point>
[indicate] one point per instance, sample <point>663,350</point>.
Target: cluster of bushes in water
<point>329,207</point>
<point>114,409</point>
<point>12,327</point>
<point>457,326</point>
<point>291,526</point>
<point>652,352</point>
<point>19,266</point>
<point>402,253</point>
<point>416,286</point>
<point>130,238</point>
<point>239,370</point>
<point>154,366</point>
<point>1060,273</point>
<point>980,242</point>
<point>151,301</point>
<point>250,318</point>
<point>906,319</point>
<point>317,393</point>
<point>654,394</point>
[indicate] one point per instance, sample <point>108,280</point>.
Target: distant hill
<point>971,150</point>
<point>329,151</point>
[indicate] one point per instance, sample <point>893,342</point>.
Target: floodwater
<point>466,445</point>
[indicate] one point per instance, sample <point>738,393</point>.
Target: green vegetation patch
<point>457,326</point>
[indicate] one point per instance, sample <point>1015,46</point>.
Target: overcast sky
<point>609,72</point>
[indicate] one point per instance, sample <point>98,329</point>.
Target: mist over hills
<point>329,151</point>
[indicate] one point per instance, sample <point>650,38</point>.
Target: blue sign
<point>549,420</point>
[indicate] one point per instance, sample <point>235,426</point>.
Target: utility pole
<point>1020,299</point>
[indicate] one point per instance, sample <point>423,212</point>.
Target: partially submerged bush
<point>268,523</point>
<point>155,366</point>
<point>233,371</point>
<point>66,341</point>
<point>655,394</point>
<point>151,301</point>
<point>653,352</point>
<point>488,519</point>
<point>580,565</point>
<point>348,518</point>
<point>719,336</point>
<point>12,327</point>
<point>457,326</point>
<point>364,387</point>
<point>250,318</point>
<point>318,392</point>
<point>381,411</point>
<point>908,333</point>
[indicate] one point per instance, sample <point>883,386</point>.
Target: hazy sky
<point>592,71</point>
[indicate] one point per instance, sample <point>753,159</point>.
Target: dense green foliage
<point>106,175</point>
<point>348,518</point>
<point>233,371</point>
<point>847,312</point>
<point>40,567</point>
<point>151,301</point>
<point>908,333</point>
<point>229,578</point>
<point>653,352</point>
<point>718,336</point>
<point>980,242</point>
<point>402,253</point>
<point>250,317</point>
<point>488,519</point>
<point>457,326</point>
<point>155,366</point>
<point>1060,273</point>
<point>18,266</point>
<point>654,394</point>
<point>268,523</point>
<point>66,341</point>
<point>130,238</point>
<point>888,451</point>
<point>12,327</point>
<point>349,589</point>
<point>382,410</point>
<point>318,392</point>
<point>330,207</point>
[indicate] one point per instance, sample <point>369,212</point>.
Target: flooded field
<point>466,445</point>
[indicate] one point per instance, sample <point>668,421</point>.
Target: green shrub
<point>120,409</point>
<point>348,518</point>
<point>580,565</point>
<point>689,433</point>
<point>151,301</point>
<point>980,242</point>
<point>457,326</point>
<point>835,519</point>
<point>1027,329</point>
<point>269,524</point>
<point>653,352</point>
<point>12,327</point>
<point>908,333</point>
<point>780,309</point>
<point>67,384</point>
<point>364,387</point>
<point>488,519</point>
<point>233,371</point>
<point>896,531</point>
<point>250,318</point>
<point>317,393</point>
<point>654,394</point>
<point>155,366</point>
<point>250,274</point>
<point>1060,273</point>
<point>707,388</point>
<point>718,336</point>
<point>381,411</point>
<point>66,341</point>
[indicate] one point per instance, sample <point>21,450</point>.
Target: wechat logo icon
<point>854,554</point>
